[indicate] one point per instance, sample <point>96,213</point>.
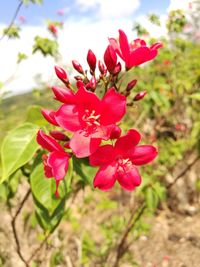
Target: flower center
<point>124,165</point>
<point>91,120</point>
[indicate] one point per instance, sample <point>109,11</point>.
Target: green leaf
<point>18,147</point>
<point>83,170</point>
<point>34,116</point>
<point>49,209</point>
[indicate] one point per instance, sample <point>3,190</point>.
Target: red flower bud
<point>78,78</point>
<point>110,58</point>
<point>117,69</point>
<point>59,136</point>
<point>130,85</point>
<point>91,59</point>
<point>77,66</point>
<point>93,83</point>
<point>139,96</point>
<point>115,132</point>
<point>61,74</point>
<point>49,115</point>
<point>53,29</point>
<point>102,68</point>
<point>80,84</point>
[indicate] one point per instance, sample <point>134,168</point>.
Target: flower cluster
<point>90,114</point>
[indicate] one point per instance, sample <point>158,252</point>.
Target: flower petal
<point>141,55</point>
<point>129,180</point>
<point>67,117</point>
<point>124,45</point>
<point>86,100</point>
<point>59,164</point>
<point>105,177</point>
<point>48,142</point>
<point>126,143</point>
<point>115,45</point>
<point>113,107</point>
<point>103,155</point>
<point>83,145</point>
<point>143,154</point>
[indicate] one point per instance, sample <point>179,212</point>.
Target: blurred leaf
<point>195,96</point>
<point>12,32</point>
<point>34,115</point>
<point>18,147</point>
<point>21,57</point>
<point>45,46</point>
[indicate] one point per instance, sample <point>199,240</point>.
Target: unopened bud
<point>110,58</point>
<point>117,69</point>
<point>61,74</point>
<point>77,66</point>
<point>140,96</point>
<point>78,78</point>
<point>130,85</point>
<point>102,68</point>
<point>92,84</point>
<point>91,59</point>
<point>115,132</point>
<point>59,136</point>
<point>80,84</point>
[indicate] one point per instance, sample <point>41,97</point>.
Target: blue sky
<point>36,13</point>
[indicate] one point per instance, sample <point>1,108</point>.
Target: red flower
<point>136,52</point>
<point>56,163</point>
<point>53,29</point>
<point>117,163</point>
<point>90,119</point>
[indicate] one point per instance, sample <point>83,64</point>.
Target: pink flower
<point>56,163</point>
<point>136,52</point>
<point>118,162</point>
<point>90,118</point>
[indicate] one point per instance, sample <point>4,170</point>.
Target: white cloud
<point>179,4</point>
<point>154,31</point>
<point>110,8</point>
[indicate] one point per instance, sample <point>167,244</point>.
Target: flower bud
<point>61,74</point>
<point>115,132</point>
<point>92,84</point>
<point>59,136</point>
<point>117,69</point>
<point>77,66</point>
<point>91,59</point>
<point>63,95</point>
<point>80,84</point>
<point>102,68</point>
<point>139,96</point>
<point>130,85</point>
<point>49,115</point>
<point>78,78</point>
<point>110,58</point>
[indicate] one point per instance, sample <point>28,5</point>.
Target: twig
<point>13,224</point>
<point>183,172</point>
<point>13,19</point>
<point>121,249</point>
<point>38,248</point>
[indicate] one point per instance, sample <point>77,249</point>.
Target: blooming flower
<point>136,52</point>
<point>56,163</point>
<point>90,118</point>
<point>118,162</point>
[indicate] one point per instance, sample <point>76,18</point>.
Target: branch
<point>13,224</point>
<point>121,248</point>
<point>13,19</point>
<point>38,248</point>
<point>184,172</point>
